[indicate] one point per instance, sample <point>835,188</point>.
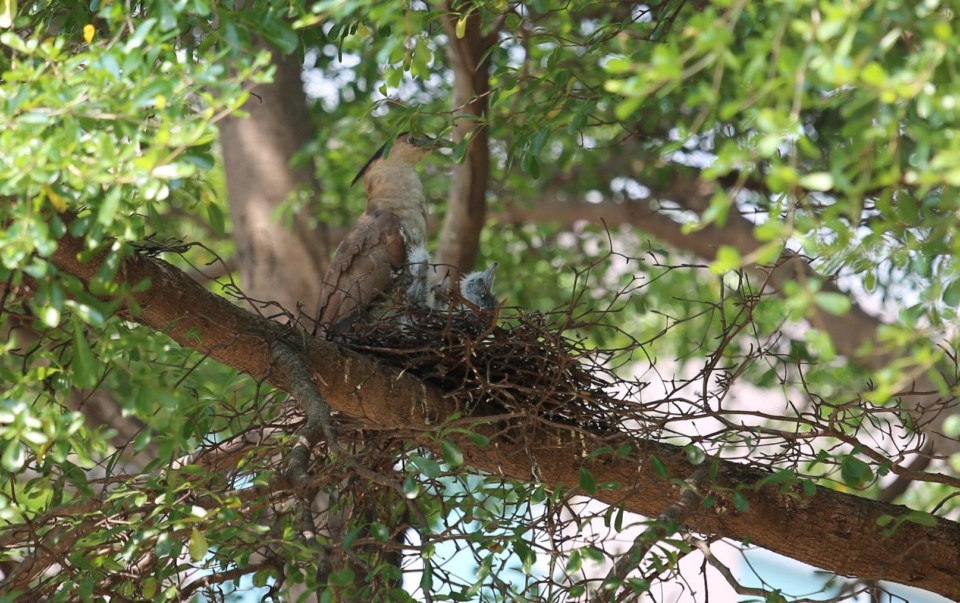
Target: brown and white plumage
<point>418,267</point>
<point>372,257</point>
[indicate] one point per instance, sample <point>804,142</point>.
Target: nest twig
<point>496,362</point>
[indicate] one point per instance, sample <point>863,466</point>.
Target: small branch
<point>222,576</point>
<point>223,455</point>
<point>704,548</point>
<point>850,333</point>
<point>663,526</point>
<point>916,467</point>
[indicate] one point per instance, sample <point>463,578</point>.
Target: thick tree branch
<point>780,519</point>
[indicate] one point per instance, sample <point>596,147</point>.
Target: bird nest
<point>504,362</point>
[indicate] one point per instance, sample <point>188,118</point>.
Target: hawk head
<point>477,288</point>
<point>406,149</point>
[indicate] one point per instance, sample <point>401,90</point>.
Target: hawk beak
<point>433,143</point>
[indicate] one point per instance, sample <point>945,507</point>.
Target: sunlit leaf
<point>819,181</point>
<point>13,456</point>
<point>198,545</point>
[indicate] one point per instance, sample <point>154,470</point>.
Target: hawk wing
<point>362,267</point>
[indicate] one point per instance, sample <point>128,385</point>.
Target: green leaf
<point>599,452</point>
<point>835,303</point>
<point>658,467</point>
<point>427,466</point>
<point>588,483</point>
<point>783,476</point>
<point>854,472</point>
<point>530,165</point>
<point>908,209</point>
<point>280,34</point>
<point>451,454</point>
<point>198,545</point>
<point>479,439</point>
<point>719,208</point>
<point>769,230</point>
<point>426,580</point>
<point>262,577</point>
<point>149,587</point>
<point>50,317</point>
<point>951,427</point>
<point>13,456</point>
<point>618,65</point>
<point>768,252</point>
<point>86,372</point>
<point>695,456</point>
<point>921,518</point>
<point>740,502</point>
<point>728,259</point>
<point>874,74</point>
<point>217,219</point>
<point>411,489</point>
<point>460,150</point>
<point>109,207</point>
<point>8,13</point>
<point>817,181</point>
<point>351,537</point>
<point>820,344</point>
<point>343,578</point>
<point>379,531</point>
<point>13,41</point>
<point>951,295</point>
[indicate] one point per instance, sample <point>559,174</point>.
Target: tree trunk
<point>467,207</point>
<point>276,262</point>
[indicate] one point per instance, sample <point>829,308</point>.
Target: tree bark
<point>467,207</point>
<point>831,530</point>
<point>277,263</point>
